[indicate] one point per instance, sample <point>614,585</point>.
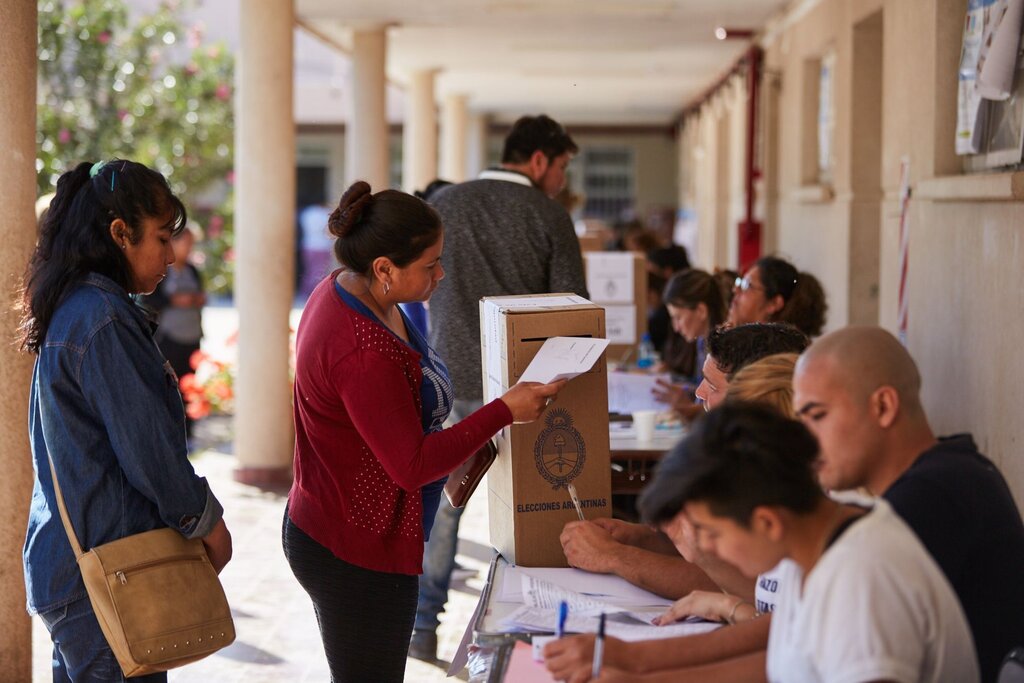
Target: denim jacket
<point>104,406</point>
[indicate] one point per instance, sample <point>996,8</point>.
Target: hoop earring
<point>387,288</point>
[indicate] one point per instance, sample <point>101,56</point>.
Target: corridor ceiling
<point>585,61</point>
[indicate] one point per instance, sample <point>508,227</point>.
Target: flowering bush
<point>210,389</point>
<point>130,79</point>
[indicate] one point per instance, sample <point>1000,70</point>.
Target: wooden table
<point>634,461</point>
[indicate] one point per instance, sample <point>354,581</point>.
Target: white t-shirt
<point>768,590</point>
<point>875,607</point>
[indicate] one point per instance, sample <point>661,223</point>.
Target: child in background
<point>179,301</point>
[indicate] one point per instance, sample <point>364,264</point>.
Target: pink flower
<point>213,52</point>
<point>191,68</point>
<point>229,255</point>
<point>230,177</point>
<point>223,92</point>
<point>122,114</point>
<point>195,36</point>
<point>216,222</point>
<point>103,37</point>
<point>64,136</point>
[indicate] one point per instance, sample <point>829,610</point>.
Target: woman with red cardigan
<point>371,456</point>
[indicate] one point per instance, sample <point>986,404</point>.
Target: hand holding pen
<point>598,648</point>
<point>576,501</point>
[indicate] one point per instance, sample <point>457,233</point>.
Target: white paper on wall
<point>997,66</point>
<point>620,324</point>
<point>610,277</point>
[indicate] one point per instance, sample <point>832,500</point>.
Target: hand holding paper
<point>527,401</point>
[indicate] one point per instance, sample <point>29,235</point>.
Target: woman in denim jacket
<point>103,405</point>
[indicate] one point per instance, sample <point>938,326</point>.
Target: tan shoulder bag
<point>156,596</point>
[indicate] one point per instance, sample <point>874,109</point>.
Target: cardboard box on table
<point>617,281</point>
<point>591,242</point>
<point>527,497</point>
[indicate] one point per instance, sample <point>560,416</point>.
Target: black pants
<point>365,616</point>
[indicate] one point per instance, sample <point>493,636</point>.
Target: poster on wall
<point>988,62</point>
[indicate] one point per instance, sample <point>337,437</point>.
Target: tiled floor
<point>277,634</point>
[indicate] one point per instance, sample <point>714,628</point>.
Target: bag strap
<point>64,512</point>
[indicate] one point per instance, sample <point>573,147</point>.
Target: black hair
<point>692,287</point>
<point>432,188</point>
<point>389,223</point>
<point>532,133</point>
<point>739,457</point>
<point>75,239</point>
<point>804,299</point>
<point>674,258</point>
<point>734,348</point>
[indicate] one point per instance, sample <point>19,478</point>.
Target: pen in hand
<point>576,501</point>
<point>563,614</point>
<point>598,648</point>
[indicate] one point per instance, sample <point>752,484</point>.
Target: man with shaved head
<point>858,390</point>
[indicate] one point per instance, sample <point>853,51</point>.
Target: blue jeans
<point>80,652</point>
<point>439,551</point>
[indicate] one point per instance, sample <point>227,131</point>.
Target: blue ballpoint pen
<point>598,648</point>
<point>563,614</point>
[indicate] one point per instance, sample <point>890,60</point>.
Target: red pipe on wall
<point>749,228</point>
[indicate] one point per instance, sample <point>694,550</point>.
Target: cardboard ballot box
<point>617,281</point>
<point>526,486</point>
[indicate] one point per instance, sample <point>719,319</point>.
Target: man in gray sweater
<point>503,234</point>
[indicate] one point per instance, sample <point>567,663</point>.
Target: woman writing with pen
<point>695,305</point>
<point>371,456</point>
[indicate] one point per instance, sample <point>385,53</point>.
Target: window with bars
<point>608,182</point>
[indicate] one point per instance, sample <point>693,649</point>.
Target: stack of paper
<point>630,608</point>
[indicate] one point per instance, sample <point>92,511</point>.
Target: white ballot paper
<point>605,588</point>
<point>629,392</point>
<point>620,625</point>
<point>564,358</point>
<point>540,612</point>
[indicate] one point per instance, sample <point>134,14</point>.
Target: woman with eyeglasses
<point>695,306</point>
<point>772,290</point>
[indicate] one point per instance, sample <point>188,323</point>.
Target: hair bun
<point>350,208</point>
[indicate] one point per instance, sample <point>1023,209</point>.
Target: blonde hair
<point>768,381</point>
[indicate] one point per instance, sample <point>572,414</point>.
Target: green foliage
<point>113,84</point>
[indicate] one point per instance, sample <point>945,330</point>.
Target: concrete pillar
<point>17,196</point>
<point>476,144</point>
<point>366,135</point>
<point>419,134</point>
<point>453,138</point>
<point>265,242</point>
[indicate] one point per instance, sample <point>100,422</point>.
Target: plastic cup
<point>643,422</point>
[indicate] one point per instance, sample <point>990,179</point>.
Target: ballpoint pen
<point>563,614</point>
<point>598,648</point>
<point>576,501</point>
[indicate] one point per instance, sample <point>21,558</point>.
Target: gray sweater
<point>500,238</point>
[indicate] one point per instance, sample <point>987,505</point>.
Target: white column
<point>419,134</point>
<point>476,144</point>
<point>17,225</point>
<point>454,119</point>
<point>366,133</point>
<point>265,241</point>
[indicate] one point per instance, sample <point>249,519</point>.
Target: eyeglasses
<point>744,284</point>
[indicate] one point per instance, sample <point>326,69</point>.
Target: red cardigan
<point>360,452</point>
